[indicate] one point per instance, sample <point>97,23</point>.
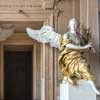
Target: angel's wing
<point>45,35</point>
<point>6,30</point>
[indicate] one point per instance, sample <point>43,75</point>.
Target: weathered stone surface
<point>80,92</point>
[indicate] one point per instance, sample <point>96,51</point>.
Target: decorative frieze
<point>13,5</point>
<point>19,4</point>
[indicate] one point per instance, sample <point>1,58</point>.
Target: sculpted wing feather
<point>45,35</point>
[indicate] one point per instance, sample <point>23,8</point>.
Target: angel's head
<point>73,24</point>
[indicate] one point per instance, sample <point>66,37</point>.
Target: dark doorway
<point>18,75</point>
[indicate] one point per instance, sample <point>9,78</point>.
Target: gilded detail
<point>72,63</point>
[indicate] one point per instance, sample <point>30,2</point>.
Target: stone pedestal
<point>82,91</point>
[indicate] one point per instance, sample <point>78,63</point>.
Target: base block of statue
<point>82,91</point>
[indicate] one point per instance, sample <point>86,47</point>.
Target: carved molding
<point>27,16</point>
<point>13,5</point>
<point>49,4</point>
<point>20,4</point>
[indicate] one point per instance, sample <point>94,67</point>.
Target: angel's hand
<point>92,50</point>
<point>90,45</point>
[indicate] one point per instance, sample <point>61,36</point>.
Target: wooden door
<point>18,75</point>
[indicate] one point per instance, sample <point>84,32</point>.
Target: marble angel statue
<point>73,65</point>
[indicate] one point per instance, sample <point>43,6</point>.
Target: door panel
<point>18,75</point>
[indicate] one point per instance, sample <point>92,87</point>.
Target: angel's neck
<point>73,31</point>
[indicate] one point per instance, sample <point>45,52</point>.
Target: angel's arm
<point>78,47</point>
<point>74,46</point>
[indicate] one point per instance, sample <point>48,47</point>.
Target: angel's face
<point>73,26</point>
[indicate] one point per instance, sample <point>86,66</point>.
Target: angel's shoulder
<point>66,35</point>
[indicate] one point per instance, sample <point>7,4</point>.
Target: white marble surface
<point>83,91</point>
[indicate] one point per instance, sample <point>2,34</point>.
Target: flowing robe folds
<point>72,63</point>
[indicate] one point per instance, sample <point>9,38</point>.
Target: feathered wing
<point>45,35</point>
